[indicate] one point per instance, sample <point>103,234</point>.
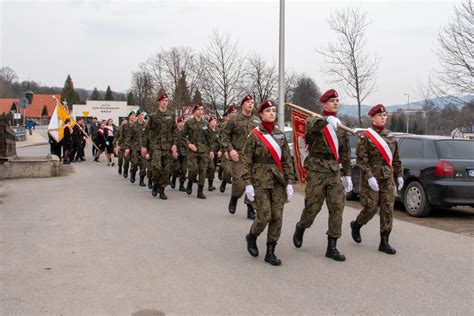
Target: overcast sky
<point>100,43</point>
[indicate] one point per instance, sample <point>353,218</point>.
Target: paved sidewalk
<point>92,243</point>
<point>33,140</point>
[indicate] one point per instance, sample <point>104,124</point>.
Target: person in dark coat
<point>67,141</point>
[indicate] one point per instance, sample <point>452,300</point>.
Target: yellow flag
<point>57,122</point>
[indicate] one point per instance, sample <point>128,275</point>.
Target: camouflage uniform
<point>180,165</point>
<point>197,133</point>
<point>126,129</point>
<point>215,147</point>
<point>159,137</point>
<point>234,136</point>
<point>260,170</point>
<point>225,163</point>
<point>118,141</point>
<point>324,178</point>
<point>133,143</point>
<point>372,164</point>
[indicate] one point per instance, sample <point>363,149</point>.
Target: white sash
<point>273,142</point>
<point>383,148</point>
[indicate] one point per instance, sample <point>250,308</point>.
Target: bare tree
<point>456,51</point>
<point>347,61</point>
<point>261,79</point>
<point>143,89</point>
<point>7,77</point>
<point>220,71</point>
<point>306,93</point>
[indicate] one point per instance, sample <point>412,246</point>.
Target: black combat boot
<point>173,182</point>
<point>250,212</point>
<point>222,188</point>
<point>120,170</point>
<point>252,244</point>
<point>270,256</point>
<point>332,251</point>
<point>125,173</point>
<point>150,184</point>
<point>155,189</point>
<point>385,246</point>
<point>142,181</point>
<point>201,195</point>
<point>298,235</point>
<point>189,187</point>
<point>181,186</point>
<point>162,193</point>
<point>132,177</point>
<point>356,232</point>
<point>211,187</point>
<point>233,204</point>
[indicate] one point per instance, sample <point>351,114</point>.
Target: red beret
<point>180,119</point>
<point>379,108</point>
<point>162,96</point>
<point>231,108</point>
<point>265,104</point>
<point>196,105</point>
<point>246,98</point>
<point>328,95</point>
<point>211,118</point>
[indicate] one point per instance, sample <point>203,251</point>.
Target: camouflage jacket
<point>319,150</point>
<point>122,135</point>
<point>197,133</point>
<point>182,147</point>
<point>134,137</point>
<point>237,130</point>
<point>371,162</point>
<point>117,140</point>
<point>216,143</point>
<point>160,132</point>
<point>259,167</point>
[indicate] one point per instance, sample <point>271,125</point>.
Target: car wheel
<point>415,200</point>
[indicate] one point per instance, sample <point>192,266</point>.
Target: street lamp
<point>408,109</point>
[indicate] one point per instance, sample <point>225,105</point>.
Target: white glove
<point>400,183</point>
<point>289,191</point>
<point>349,185</point>
<point>334,121</point>
<point>250,192</point>
<point>373,184</point>
<point>107,143</point>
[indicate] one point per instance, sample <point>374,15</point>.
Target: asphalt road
<point>92,243</point>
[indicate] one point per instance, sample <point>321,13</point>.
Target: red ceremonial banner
<point>300,151</point>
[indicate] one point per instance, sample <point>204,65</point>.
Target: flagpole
<point>306,111</point>
<point>281,69</point>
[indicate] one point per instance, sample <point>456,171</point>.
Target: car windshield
<point>289,137</point>
<point>455,149</point>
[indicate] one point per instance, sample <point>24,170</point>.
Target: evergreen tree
<point>130,99</point>
<point>197,97</point>
<point>68,93</point>
<point>95,95</point>
<point>108,94</point>
<point>181,96</point>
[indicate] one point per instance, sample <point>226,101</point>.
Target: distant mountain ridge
<point>351,110</point>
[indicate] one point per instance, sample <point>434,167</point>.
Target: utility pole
<point>408,111</point>
<point>281,69</point>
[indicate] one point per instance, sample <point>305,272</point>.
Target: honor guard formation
<point>252,155</point>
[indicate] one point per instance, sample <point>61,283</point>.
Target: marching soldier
<point>225,167</point>
<point>215,147</point>
<point>379,162</point>
<point>118,143</point>
<point>149,173</point>
<point>268,174</point>
<point>133,144</point>
<point>199,140</point>
<point>180,164</point>
<point>234,137</point>
<point>160,143</point>
<point>327,146</point>
<point>126,129</point>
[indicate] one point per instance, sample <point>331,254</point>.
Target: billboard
<point>103,110</point>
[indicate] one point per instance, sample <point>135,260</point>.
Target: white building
<point>103,110</point>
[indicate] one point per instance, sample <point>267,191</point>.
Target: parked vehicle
<point>438,172</point>
<point>289,138</point>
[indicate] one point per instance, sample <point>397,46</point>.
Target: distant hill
<point>351,110</point>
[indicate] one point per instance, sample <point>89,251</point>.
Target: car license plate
<point>470,173</point>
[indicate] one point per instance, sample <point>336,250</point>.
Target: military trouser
<point>120,155</point>
<point>321,186</point>
<point>211,169</point>
<point>197,166</point>
<point>238,185</point>
<point>149,170</point>
<point>373,201</point>
<point>126,161</point>
<point>137,163</point>
<point>161,164</point>
<point>180,168</point>
<point>226,170</point>
<point>269,203</point>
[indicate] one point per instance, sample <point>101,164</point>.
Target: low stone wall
<point>30,167</point>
